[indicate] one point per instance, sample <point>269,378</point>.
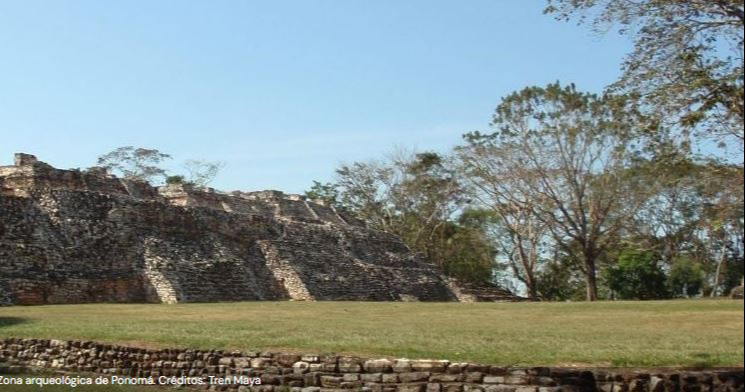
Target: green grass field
<point>666,333</point>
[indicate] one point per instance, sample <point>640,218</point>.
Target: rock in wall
<point>68,236</point>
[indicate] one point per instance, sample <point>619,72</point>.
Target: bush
<point>558,282</point>
<point>170,180</point>
<point>686,278</point>
<point>637,275</point>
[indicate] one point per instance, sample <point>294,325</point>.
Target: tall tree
<point>418,197</point>
<point>519,232</point>
<point>410,195</point>
<point>687,61</point>
<point>565,156</point>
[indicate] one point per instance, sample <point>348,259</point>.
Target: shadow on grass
<point>9,321</point>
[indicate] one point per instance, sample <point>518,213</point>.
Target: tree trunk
<point>531,286</point>
<point>590,278</point>
<point>718,272</point>
<point>592,287</point>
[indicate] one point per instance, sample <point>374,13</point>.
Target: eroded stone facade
<point>70,236</point>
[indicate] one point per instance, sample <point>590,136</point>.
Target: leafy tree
<point>417,197</point>
<point>465,249</point>
<point>637,275</point>
<point>564,157</point>
<point>521,235</point>
<point>686,278</point>
<point>687,62</point>
<point>325,192</point>
<point>135,163</point>
<point>686,72</point>
<point>410,195</point>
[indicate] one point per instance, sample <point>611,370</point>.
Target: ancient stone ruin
<point>285,372</point>
<point>71,236</point>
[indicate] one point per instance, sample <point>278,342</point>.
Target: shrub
<point>686,278</point>
<point>637,275</point>
<point>178,179</point>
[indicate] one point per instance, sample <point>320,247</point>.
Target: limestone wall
<point>69,236</point>
<point>329,373</point>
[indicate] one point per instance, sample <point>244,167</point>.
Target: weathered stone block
<point>260,363</point>
<point>371,377</point>
<point>499,388</point>
<point>351,377</point>
<point>402,365</point>
<point>429,366</point>
<point>457,368</point>
<point>242,362</point>
<point>286,359</point>
<point>447,378</point>
<point>330,381</point>
<point>312,379</point>
<point>544,381</point>
<point>494,380</point>
<point>419,387</point>
<point>434,387</point>
<point>605,386</point>
<point>350,365</point>
<point>301,367</point>
<point>413,377</point>
<point>378,366</point>
<point>455,387</point>
<point>517,380</point>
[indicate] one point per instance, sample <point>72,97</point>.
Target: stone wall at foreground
<point>331,373</point>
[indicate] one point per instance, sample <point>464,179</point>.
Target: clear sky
<point>280,91</point>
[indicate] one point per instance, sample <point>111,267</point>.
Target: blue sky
<point>280,91</point>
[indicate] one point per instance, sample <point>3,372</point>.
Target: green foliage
<point>418,198</point>
<point>685,278</point>
<point>556,165</point>
<point>637,275</point>
<point>557,281</point>
<point>733,273</point>
<point>327,193</point>
<point>177,179</point>
<point>465,250</point>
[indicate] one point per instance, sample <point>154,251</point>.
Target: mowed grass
<point>631,334</point>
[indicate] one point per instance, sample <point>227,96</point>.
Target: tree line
<point>633,193</point>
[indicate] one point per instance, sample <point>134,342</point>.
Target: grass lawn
<point>665,333</point>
